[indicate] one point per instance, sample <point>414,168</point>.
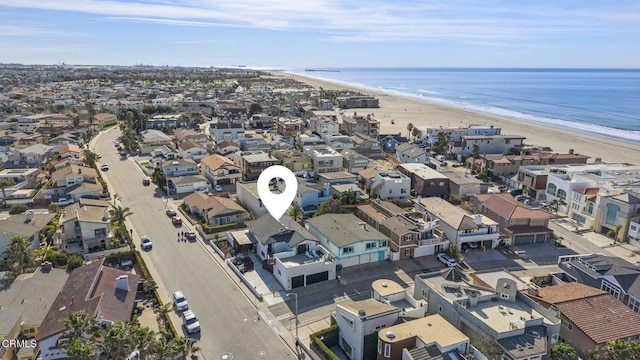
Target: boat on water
<point>325,70</point>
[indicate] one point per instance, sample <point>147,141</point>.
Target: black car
<point>146,182</point>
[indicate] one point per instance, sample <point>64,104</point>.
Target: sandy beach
<point>405,109</point>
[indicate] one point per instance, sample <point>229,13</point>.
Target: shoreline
<point>405,109</point>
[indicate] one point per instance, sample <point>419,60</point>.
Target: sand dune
<point>421,113</point>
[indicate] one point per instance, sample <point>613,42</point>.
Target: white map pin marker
<point>277,204</point>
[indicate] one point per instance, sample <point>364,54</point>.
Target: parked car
<point>446,259</point>
<point>171,212</point>
<point>190,322</point>
<point>176,220</point>
<point>146,182</point>
<point>146,243</point>
<point>104,167</point>
<point>218,187</point>
<point>190,235</point>
<point>64,202</point>
<point>180,301</point>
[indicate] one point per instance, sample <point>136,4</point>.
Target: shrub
<point>143,267</point>
<point>74,261</point>
<point>221,228</point>
<point>18,209</point>
<point>331,335</point>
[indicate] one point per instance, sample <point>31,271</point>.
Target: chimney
<point>122,282</point>
<point>570,151</point>
<point>30,216</point>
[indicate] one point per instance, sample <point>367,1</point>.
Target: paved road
<point>228,319</point>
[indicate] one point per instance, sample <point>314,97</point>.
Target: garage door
<point>365,259</point>
<point>297,281</point>
<point>315,278</point>
<point>351,261</point>
<point>540,238</point>
<point>523,240</point>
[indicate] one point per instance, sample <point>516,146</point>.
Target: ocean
<point>602,102</point>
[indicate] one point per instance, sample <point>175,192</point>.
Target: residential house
<point>32,156</point>
<point>462,185</point>
<point>309,195</point>
<point>24,305</point>
<point>166,121</point>
<point>296,161</point>
<point>425,181</point>
<point>248,197</point>
<point>229,127</point>
<point>506,165</point>
<point>520,223</point>
<point>367,125</point>
<point>411,154</point>
<point>191,135</point>
<point>590,317</point>
<point>456,133</point>
<point>391,185</point>
<point>614,275</point>
<point>183,185</point>
<point>105,294</point>
<point>69,150</point>
<point>488,144</point>
<point>22,178</point>
<point>192,150</point>
<point>308,140</point>
<point>353,162</point>
<point>291,252</point>
<point>27,225</point>
<point>462,229</point>
<point>430,337</point>
<point>85,229</point>
<point>634,231</point>
<point>220,170</point>
<point>68,178</point>
<point>522,328</point>
<point>227,147</point>
<point>289,126</point>
<point>324,126</point>
<point>614,214</point>
<point>151,139</point>
<point>357,101</point>
<point>583,206</point>
<point>357,320</point>
<point>389,142</point>
<point>324,158</point>
<point>215,209</point>
<point>339,142</point>
<point>179,168</point>
<point>366,143</point>
<point>253,164</point>
<point>350,241</point>
<point>412,234</point>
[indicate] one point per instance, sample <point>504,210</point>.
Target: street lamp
<point>296,296</point>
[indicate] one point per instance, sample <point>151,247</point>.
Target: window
<point>441,183</point>
<point>504,296</point>
<point>384,244</point>
<point>390,191</point>
<point>379,346</point>
<point>590,208</point>
<point>566,324</point>
<point>562,194</point>
<point>611,214</point>
<point>407,252</point>
<point>371,245</point>
<point>403,191</point>
<point>347,249</point>
<point>439,308</point>
<point>407,238</point>
<point>387,350</point>
<point>551,189</point>
<point>611,289</point>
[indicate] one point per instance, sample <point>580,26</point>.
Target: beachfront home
<point>488,144</point>
<point>464,230</point>
<point>520,223</point>
<point>357,101</point>
<point>411,153</point>
<point>367,125</point>
<point>350,241</point>
<point>505,165</point>
<point>456,133</point>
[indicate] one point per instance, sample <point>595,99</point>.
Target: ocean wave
<point>430,92</point>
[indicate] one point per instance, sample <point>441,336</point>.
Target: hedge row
<point>221,228</point>
<point>331,334</point>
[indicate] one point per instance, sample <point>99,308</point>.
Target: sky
<point>294,34</point>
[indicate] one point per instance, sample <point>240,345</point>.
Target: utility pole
<point>296,316</point>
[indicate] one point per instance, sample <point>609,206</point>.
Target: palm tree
<point>5,183</point>
<point>296,212</point>
<point>556,203</point>
<point>614,232</point>
<point>80,349</point>
<point>163,348</point>
<point>118,216</point>
<point>79,325</point>
<point>409,129</point>
<point>115,341</point>
<point>348,197</point>
<point>416,133</point>
<point>186,347</point>
<point>18,255</point>
<point>142,339</point>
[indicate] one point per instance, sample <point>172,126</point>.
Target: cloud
<point>496,21</point>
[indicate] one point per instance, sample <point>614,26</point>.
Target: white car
<point>190,322</point>
<point>146,243</point>
<point>64,202</point>
<point>217,187</point>
<point>446,259</point>
<point>180,301</point>
<point>104,167</point>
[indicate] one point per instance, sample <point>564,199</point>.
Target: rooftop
<point>429,329</point>
<point>344,229</point>
<point>423,171</point>
<point>371,308</point>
